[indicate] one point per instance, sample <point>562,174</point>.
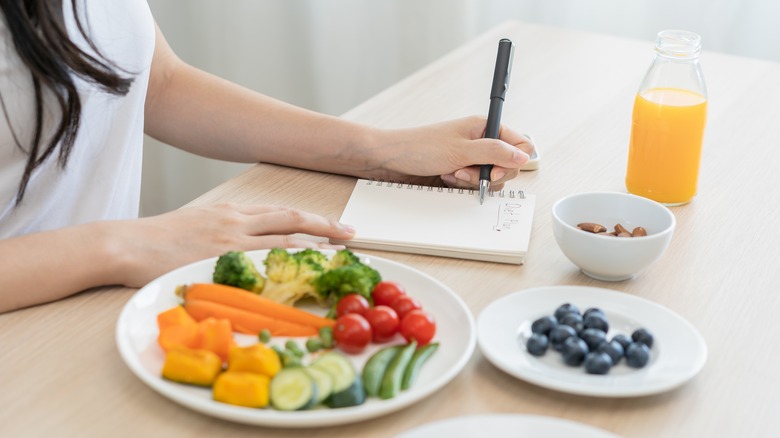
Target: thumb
<point>496,152</point>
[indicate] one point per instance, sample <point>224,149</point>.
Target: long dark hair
<point>41,40</point>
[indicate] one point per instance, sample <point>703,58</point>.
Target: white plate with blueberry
<point>554,337</point>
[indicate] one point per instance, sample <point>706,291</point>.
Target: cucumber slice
<point>292,389</point>
<point>375,369</point>
<point>323,380</point>
<point>354,395</point>
<point>338,366</point>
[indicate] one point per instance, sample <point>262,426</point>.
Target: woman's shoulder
<point>122,30</point>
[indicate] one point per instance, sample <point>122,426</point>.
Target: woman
<point>81,81</point>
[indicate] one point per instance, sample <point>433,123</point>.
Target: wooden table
<point>62,374</point>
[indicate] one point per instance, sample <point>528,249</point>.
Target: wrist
<point>381,149</point>
<point>108,254</point>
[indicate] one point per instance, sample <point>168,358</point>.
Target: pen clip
<point>503,71</point>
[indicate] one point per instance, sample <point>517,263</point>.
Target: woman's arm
<point>209,116</point>
<point>47,266</point>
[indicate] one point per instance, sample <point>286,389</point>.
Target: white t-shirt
<point>102,179</point>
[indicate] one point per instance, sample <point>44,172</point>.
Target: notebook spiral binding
<point>519,194</point>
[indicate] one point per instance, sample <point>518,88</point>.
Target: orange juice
<point>665,148</point>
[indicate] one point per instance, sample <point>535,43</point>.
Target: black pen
<point>497,93</point>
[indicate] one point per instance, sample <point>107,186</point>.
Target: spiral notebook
<point>440,221</point>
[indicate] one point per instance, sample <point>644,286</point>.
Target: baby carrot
<point>244,321</point>
<point>251,302</point>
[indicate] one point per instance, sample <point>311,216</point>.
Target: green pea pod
<point>375,368</point>
<point>419,357</point>
<point>391,381</point>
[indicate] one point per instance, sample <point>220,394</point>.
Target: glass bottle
<point>668,121</point>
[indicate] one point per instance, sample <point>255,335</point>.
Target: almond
<point>591,227</point>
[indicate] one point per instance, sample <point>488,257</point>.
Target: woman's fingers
<point>501,153</point>
<point>287,241</point>
<point>468,177</point>
<point>241,220</point>
<point>154,245</point>
<point>508,153</point>
<point>516,139</point>
<point>281,220</point>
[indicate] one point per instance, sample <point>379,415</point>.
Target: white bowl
<point>611,258</point>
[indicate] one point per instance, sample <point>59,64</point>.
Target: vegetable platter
<point>137,333</point>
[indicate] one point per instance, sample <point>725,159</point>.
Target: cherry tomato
<point>418,325</point>
<point>352,303</point>
<point>385,292</point>
<point>405,304</point>
<point>352,333</point>
<point>384,323</point>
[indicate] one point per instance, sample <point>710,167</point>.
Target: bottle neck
<point>676,63</point>
<point>678,44</point>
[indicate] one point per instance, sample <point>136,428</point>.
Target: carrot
<point>174,316</point>
<point>216,334</point>
<point>244,321</point>
<point>176,327</point>
<point>178,335</point>
<point>251,302</point>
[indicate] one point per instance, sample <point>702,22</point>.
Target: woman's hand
<point>158,244</point>
<point>453,151</point>
<point>134,252</point>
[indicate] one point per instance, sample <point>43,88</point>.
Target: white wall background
<point>330,55</point>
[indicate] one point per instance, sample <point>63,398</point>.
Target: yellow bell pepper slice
<point>257,358</point>
<point>191,366</point>
<point>242,389</point>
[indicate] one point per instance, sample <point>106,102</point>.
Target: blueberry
<point>637,355</point>
<point>573,320</point>
<point>574,351</point>
<point>544,324</point>
<point>623,340</point>
<point>643,336</point>
<point>597,363</point>
<point>593,311</point>
<point>559,334</point>
<point>593,338</point>
<point>537,344</point>
<point>614,349</point>
<point>596,320</point>
<point>564,309</point>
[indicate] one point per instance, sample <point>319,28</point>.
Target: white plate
<point>504,425</point>
<point>136,336</point>
<point>678,352</point>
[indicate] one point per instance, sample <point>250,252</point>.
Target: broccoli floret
<point>308,270</point>
<point>290,275</point>
<point>280,265</point>
<point>313,257</point>
<point>235,268</point>
<point>344,257</point>
<point>343,280</point>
